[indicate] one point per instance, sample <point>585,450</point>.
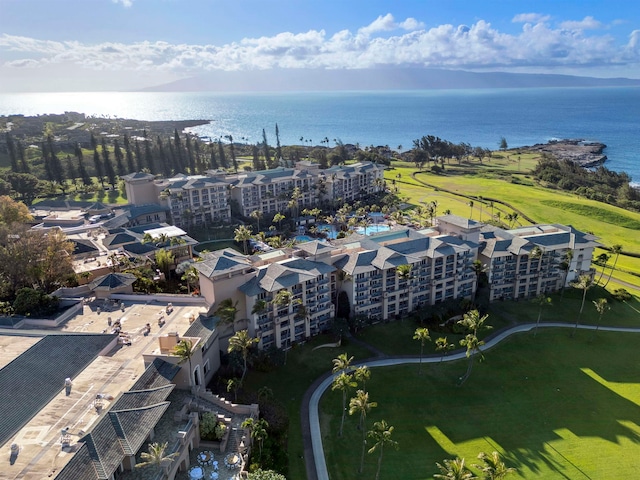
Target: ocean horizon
<point>524,116</point>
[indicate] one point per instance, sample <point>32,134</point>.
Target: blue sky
<point>50,45</point>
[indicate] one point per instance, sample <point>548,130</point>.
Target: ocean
<point>394,118</point>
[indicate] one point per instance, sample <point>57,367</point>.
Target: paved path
<point>311,434</point>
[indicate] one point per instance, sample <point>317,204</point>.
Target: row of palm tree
<point>492,468</point>
<point>347,378</point>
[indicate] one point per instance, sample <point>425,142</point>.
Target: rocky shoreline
<point>584,153</point>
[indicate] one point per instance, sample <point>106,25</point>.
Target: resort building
<point>528,261</point>
<point>82,401</point>
<point>203,199</point>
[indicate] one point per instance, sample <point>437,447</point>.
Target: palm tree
<point>584,283</point>
<point>233,384</point>
<point>242,342</point>
<point>473,345</point>
<point>381,435</point>
<point>190,276</point>
<point>602,306</point>
<point>242,234</point>
<point>478,268</point>
<point>602,259</point>
<point>471,206</point>
<point>278,218</point>
<point>343,382</point>
<point>403,272</point>
<point>473,322</point>
<point>256,215</point>
<point>227,311</point>
<point>259,307</point>
<point>422,335</point>
<point>615,250</point>
<point>542,301</point>
<point>361,404</point>
<point>362,374</point>
<point>184,350</point>
<point>341,363</point>
<point>283,298</point>
<point>257,430</point>
<point>156,457</point>
<point>443,345</point>
<point>493,467</point>
<point>565,266</point>
<point>454,470</point>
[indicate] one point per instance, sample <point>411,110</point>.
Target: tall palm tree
<point>422,335</point>
<point>470,203</point>
<point>257,430</point>
<point>602,306</point>
<point>341,363</point>
<point>565,266</point>
<point>256,215</point>
<point>493,467</point>
<point>227,311</point>
<point>343,382</point>
<point>242,234</point>
<point>184,350</point>
<point>190,276</point>
<point>478,269</point>
<point>602,259</point>
<point>283,298</point>
<point>381,435</point>
<point>360,404</point>
<point>615,250</point>
<point>473,344</point>
<point>454,470</point>
<point>403,272</point>
<point>541,301</point>
<point>362,374</point>
<point>155,457</point>
<point>584,283</point>
<point>443,345</point>
<point>242,342</point>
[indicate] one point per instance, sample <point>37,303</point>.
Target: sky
<point>104,45</point>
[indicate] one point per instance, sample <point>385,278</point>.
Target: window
<point>206,367</point>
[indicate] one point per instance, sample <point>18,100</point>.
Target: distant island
<point>288,80</point>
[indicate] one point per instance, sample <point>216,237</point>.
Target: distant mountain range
<point>376,79</point>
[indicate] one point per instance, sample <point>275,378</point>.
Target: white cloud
<point>387,23</point>
<point>125,3</point>
<point>478,46</point>
<point>587,23</point>
<point>530,18</point>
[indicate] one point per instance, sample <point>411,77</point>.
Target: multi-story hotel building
<point>529,261</point>
<point>200,199</point>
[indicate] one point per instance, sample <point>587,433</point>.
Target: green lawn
<point>555,406</point>
<point>290,381</point>
<point>396,338</point>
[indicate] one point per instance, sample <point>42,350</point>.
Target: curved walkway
<point>311,434</point>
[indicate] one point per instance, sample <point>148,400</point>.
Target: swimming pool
<point>371,229</point>
<point>302,238</point>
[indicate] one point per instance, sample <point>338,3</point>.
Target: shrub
<point>32,302</point>
<point>621,294</point>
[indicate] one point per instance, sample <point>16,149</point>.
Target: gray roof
<point>141,398</point>
<point>118,239</point>
<point>132,427</point>
<point>459,221</point>
<point>227,260</point>
<point>203,327</point>
<point>112,281</point>
<point>105,450</point>
<point>81,246</point>
<point>315,247</point>
<point>159,373</point>
<point>33,379</point>
<point>277,276</point>
<point>357,262</point>
<point>80,467</point>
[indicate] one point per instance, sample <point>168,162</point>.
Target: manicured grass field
<point>556,407</point>
<point>396,338</point>
<point>289,382</point>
